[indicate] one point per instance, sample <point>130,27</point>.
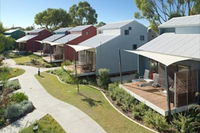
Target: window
<point>129,28</point>
<point>86,33</point>
<point>142,38</point>
<point>134,46</point>
<point>126,32</point>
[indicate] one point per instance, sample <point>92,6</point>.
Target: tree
<point>53,18</point>
<point>159,11</point>
<point>6,43</point>
<point>29,28</point>
<point>100,24</point>
<point>2,29</point>
<point>82,14</point>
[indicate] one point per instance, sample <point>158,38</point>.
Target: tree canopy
<point>2,29</point>
<point>159,11</point>
<point>100,24</point>
<point>53,18</point>
<point>82,14</point>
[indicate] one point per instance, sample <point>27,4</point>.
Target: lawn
<point>45,125</point>
<point>93,103</point>
<point>7,72</point>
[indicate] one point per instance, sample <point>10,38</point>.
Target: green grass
<point>11,73</point>
<point>45,125</point>
<point>93,103</point>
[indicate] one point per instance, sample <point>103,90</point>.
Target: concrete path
<point>69,117</point>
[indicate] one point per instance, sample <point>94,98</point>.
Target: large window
<point>142,38</point>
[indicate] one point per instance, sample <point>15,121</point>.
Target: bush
<point>66,63</point>
<point>17,110</point>
<point>18,97</point>
<point>2,119</point>
<point>13,84</point>
<point>156,121</point>
<point>184,123</point>
<point>27,106</point>
<point>123,99</point>
<point>13,111</point>
<point>103,78</point>
<point>138,111</point>
<point>65,76</point>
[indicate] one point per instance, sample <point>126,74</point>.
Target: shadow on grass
<point>90,101</point>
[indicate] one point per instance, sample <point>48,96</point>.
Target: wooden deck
<point>53,60</point>
<point>153,97</point>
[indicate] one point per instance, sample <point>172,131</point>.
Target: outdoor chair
<point>153,83</point>
<point>144,78</point>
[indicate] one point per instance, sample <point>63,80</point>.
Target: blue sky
<point>22,12</point>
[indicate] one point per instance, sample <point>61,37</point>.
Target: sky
<point>21,12</point>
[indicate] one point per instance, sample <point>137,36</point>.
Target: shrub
<point>2,119</point>
<point>13,111</point>
<point>184,123</point>
<point>34,61</point>
<point>66,63</point>
<point>156,121</point>
<point>103,78</point>
<point>138,111</point>
<point>13,84</point>
<point>18,97</point>
<point>122,98</point>
<point>27,106</point>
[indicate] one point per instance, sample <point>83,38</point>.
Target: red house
<point>29,42</point>
<point>77,35</point>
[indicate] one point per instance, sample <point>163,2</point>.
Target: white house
<point>175,57</point>
<point>102,50</point>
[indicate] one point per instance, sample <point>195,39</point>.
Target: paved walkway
<point>69,117</point>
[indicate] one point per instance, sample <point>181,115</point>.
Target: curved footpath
<point>69,117</point>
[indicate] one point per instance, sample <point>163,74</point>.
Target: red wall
<point>32,45</point>
<point>68,51</point>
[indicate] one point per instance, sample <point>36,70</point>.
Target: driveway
<point>69,117</point>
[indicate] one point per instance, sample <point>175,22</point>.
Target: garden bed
<point>8,72</point>
<point>13,106</point>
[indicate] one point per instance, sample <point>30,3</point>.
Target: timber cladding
<point>185,88</point>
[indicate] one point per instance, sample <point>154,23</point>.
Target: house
<point>102,50</point>
<point>175,56</point>
<point>29,41</point>
<point>77,35</point>
<point>14,33</point>
<point>54,53</point>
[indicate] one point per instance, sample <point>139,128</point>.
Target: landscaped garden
<point>8,72</point>
<point>13,106</point>
<point>28,59</point>
<point>92,102</point>
<point>45,125</point>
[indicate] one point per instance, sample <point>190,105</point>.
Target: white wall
<point>111,32</point>
<point>108,56</point>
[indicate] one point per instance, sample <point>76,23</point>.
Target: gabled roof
<point>115,25</point>
<point>182,21</point>
<point>67,38</point>
<point>80,28</point>
<point>97,40</point>
<point>54,37</point>
<point>11,30</point>
<point>62,30</point>
<point>184,45</point>
<point>25,38</point>
<point>35,31</point>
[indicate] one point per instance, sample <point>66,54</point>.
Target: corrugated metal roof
<point>115,25</point>
<point>54,37</point>
<point>186,45</point>
<point>67,38</point>
<point>182,21</point>
<point>10,31</point>
<point>62,30</point>
<point>97,40</point>
<point>25,38</point>
<point>80,28</point>
<point>35,31</point>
